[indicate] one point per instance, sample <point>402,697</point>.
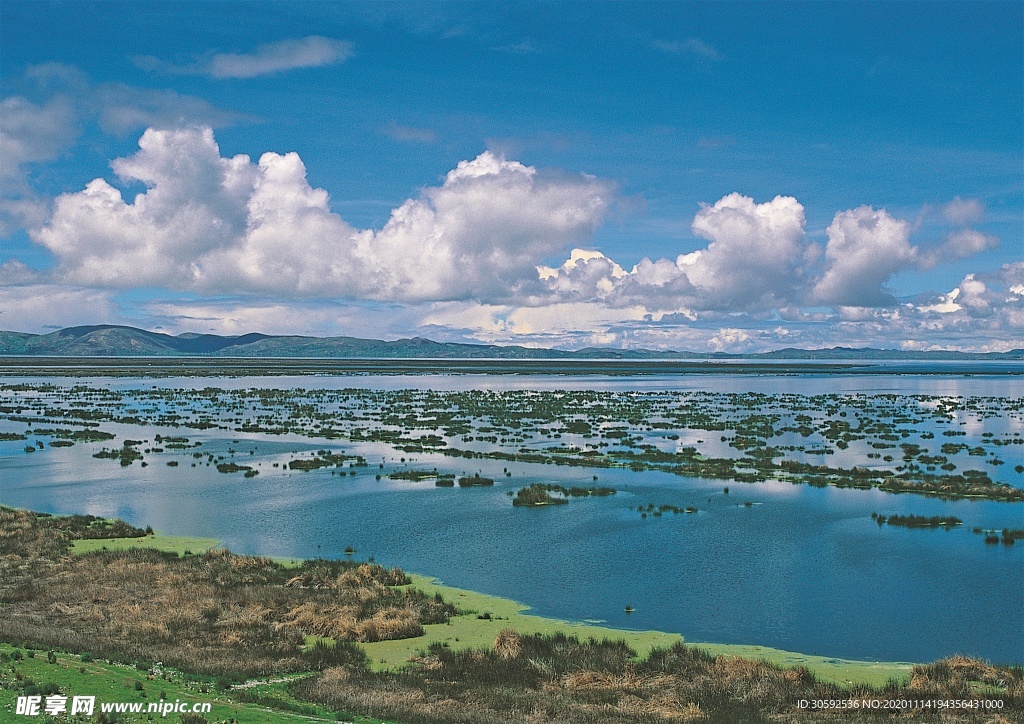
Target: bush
<point>323,655</point>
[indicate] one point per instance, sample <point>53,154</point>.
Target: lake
<point>773,563</point>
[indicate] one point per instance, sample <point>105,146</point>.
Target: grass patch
<point>119,683</point>
<point>164,543</point>
<point>468,631</point>
<point>835,671</point>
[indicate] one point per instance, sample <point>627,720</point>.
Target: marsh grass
<point>559,678</point>
<point>232,617</point>
<point>216,613</point>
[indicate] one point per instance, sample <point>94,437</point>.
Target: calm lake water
<point>804,569</point>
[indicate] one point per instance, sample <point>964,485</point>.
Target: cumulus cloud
<point>575,324</point>
<point>221,225</point>
<point>754,260</point>
<point>754,254</point>
<point>15,273</point>
<point>866,247</point>
<point>312,51</point>
<point>1012,276</point>
<point>983,313</point>
<point>585,274</point>
<point>461,260</point>
<point>967,242</point>
<point>37,131</point>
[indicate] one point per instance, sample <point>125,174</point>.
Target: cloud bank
<point>252,245</point>
<point>228,225</point>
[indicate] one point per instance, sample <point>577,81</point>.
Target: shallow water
<point>804,569</point>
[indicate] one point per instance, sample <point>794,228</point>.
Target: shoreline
<point>484,616</point>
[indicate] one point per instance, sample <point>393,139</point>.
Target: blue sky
<point>706,176</point>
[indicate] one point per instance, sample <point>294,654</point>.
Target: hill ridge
<point>113,340</point>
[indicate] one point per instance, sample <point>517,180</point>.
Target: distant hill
<point>107,340</point>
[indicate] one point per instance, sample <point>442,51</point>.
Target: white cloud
<point>219,225</point>
<point>29,133</point>
<point>963,211</point>
<point>865,249</point>
<point>409,134</point>
<point>461,261</point>
<point>191,208</point>
<point>754,260</point>
<point>968,242</point>
<point>34,133</point>
<point>585,274</point>
<point>576,324</point>
<point>122,109</point>
<point>754,254</point>
<point>285,317</point>
<point>1012,277</point>
<point>15,273</point>
<point>312,51</point>
<point>35,307</point>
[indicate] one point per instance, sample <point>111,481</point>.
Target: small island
<point>475,481</point>
<point>539,494</point>
<point>917,521</point>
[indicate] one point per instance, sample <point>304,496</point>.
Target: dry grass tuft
<point>218,613</point>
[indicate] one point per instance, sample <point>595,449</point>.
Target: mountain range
<point>120,341</point>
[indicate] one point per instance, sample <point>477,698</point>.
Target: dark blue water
<point>803,569</point>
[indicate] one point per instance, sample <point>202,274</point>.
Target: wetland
<point>746,508</point>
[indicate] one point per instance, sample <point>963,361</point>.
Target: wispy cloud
<point>523,47</point>
<point>963,211</point>
<point>409,134</point>
<point>693,46</point>
<point>312,51</point>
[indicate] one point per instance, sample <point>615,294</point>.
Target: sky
<point>706,176</point>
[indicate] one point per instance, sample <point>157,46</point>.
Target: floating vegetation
<point>250,472</point>
<point>1009,535</point>
<point>658,510</point>
<point>415,476</point>
<point>326,459</point>
<point>917,521</point>
<point>475,481</point>
<point>127,454</point>
<point>756,437</point>
<point>538,495</point>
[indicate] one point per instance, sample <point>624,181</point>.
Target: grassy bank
<point>469,630</point>
<point>484,616</point>
<point>326,638</point>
